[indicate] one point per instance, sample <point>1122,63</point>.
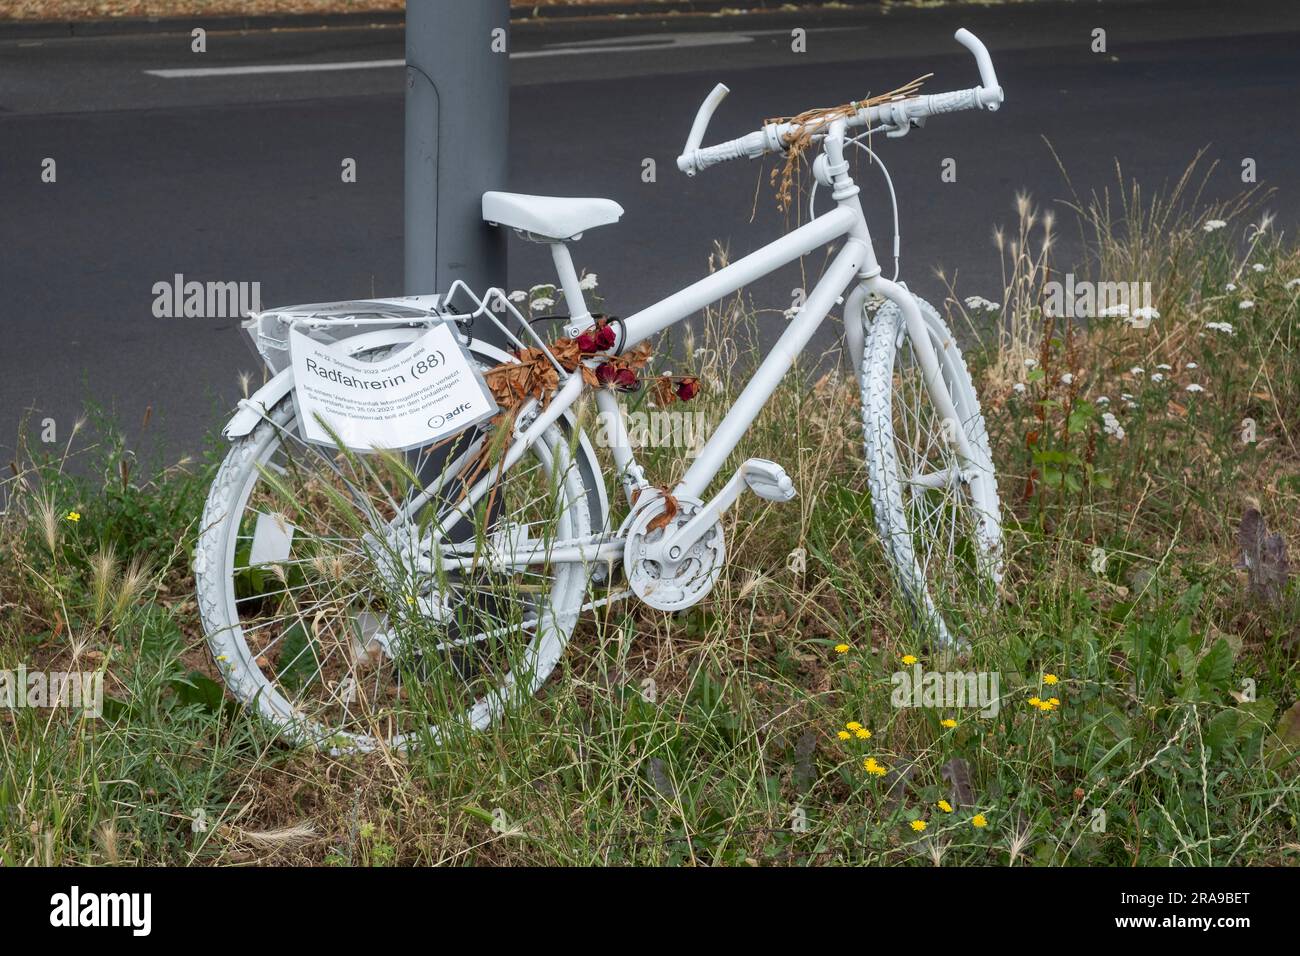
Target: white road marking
<point>630,44</point>
<point>274,68</point>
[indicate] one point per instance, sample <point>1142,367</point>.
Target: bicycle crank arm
<point>764,478</point>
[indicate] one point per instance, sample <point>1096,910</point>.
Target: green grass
<point>712,736</point>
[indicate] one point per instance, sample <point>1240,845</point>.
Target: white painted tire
<point>905,536</point>
<point>214,567</point>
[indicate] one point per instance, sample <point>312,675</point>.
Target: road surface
<point>234,174</point>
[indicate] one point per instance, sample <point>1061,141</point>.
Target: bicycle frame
<point>855,261</point>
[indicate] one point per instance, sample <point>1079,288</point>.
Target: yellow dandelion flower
<point>979,820</point>
<point>918,825</point>
<point>841,648</point>
<point>1055,702</point>
<point>1051,679</point>
<point>862,733</point>
<point>909,659</point>
<point>874,768</point>
<point>844,735</point>
<point>948,722</point>
<point>73,516</point>
<point>853,725</point>
<point>1034,701</point>
<point>945,806</point>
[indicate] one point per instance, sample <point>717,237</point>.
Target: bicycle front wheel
<point>937,514</point>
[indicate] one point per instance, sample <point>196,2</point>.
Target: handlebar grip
<point>937,103</point>
<point>747,147</point>
<point>715,155</point>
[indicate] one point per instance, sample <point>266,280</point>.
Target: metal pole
<point>457,118</point>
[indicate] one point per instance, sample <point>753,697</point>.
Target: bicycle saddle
<point>549,217</point>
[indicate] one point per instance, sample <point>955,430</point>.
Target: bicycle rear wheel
<point>318,601</point>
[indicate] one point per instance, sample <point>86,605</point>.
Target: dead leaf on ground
<point>1264,557</point>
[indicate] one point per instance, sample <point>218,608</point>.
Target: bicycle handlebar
<point>899,116</point>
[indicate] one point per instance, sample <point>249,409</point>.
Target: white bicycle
<point>358,601</point>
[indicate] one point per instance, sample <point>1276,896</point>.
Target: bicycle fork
<point>855,342</point>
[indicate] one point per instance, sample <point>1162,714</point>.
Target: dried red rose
<point>588,342</point>
<point>688,389</point>
<point>605,337</point>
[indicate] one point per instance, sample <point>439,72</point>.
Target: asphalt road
<point>235,177</point>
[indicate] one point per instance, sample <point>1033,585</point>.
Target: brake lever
<point>902,123</point>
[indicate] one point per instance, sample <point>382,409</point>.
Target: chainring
<point>671,585</point>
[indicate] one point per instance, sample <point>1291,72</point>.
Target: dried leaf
<point>669,513</point>
<point>664,393</point>
<point>1264,557</point>
<point>957,773</point>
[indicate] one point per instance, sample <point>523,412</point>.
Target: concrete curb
<point>46,29</point>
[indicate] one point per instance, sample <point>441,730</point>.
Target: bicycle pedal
<point>768,480</point>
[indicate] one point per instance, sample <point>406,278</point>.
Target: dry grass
<point>740,731</point>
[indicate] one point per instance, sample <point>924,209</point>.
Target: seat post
<point>578,314</point>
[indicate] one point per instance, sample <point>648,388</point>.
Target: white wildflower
<point>1213,225</point>
<point>1259,267</point>
<point>1111,426</point>
<point>588,282</point>
<point>1018,388</point>
<point>1136,370</point>
<point>1157,377</point>
<point>979,302</point>
<point>1230,287</point>
<point>1292,283</point>
<point>1194,388</point>
<point>1031,363</point>
<point>519,295</point>
<point>1225,327</point>
<point>1245,304</point>
<point>1101,400</point>
<point>1067,379</point>
<point>1165,368</point>
<point>543,302</point>
<point>1192,365</point>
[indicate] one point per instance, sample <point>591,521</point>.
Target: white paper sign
<point>420,395</point>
